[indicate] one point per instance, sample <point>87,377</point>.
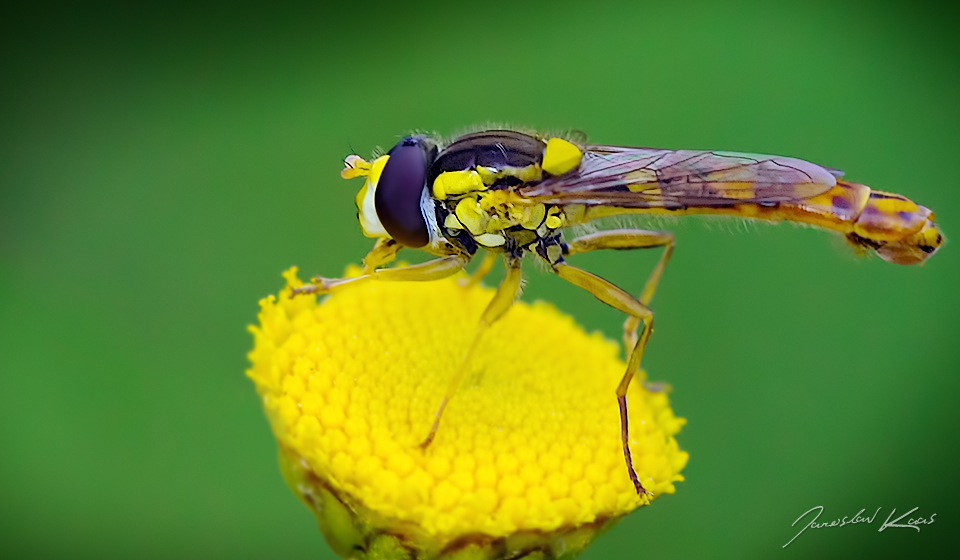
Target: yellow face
<point>366,209</point>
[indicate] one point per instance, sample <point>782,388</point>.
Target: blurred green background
<point>158,170</point>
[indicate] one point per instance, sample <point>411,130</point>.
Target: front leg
<point>502,300</point>
<point>435,269</point>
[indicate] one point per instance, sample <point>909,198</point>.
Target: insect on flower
<point>510,193</point>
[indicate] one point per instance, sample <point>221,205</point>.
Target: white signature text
<point>911,522</point>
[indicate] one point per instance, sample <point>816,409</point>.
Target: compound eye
<point>399,191</point>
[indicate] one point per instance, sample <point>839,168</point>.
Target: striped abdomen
<point>893,226</point>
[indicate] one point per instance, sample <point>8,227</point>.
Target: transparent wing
<point>655,178</point>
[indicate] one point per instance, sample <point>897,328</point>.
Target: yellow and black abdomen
<point>896,228</point>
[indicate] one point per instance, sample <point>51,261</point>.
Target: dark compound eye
<point>399,191</point>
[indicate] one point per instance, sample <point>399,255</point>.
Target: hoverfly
<point>510,193</point>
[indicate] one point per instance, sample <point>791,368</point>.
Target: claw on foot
<point>426,443</point>
<point>636,484</point>
<point>305,289</point>
<point>317,285</point>
<point>433,432</point>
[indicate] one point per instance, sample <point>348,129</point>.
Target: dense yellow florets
<point>531,442</point>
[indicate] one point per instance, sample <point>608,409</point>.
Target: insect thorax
<point>496,218</point>
<point>477,203</point>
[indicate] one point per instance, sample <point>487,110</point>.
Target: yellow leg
<point>435,269</point>
<point>630,239</point>
<point>501,302</point>
<point>383,252</point>
<point>486,265</point>
<point>618,299</point>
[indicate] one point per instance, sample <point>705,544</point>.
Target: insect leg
<point>501,302</point>
<point>486,265</point>
<point>383,252</point>
<point>424,272</point>
<point>630,239</point>
<point>617,298</point>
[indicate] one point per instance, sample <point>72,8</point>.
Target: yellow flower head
<point>528,454</point>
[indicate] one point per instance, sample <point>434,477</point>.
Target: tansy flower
<point>527,460</point>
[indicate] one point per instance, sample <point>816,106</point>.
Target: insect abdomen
<point>897,229</point>
<point>890,217</point>
<point>838,209</point>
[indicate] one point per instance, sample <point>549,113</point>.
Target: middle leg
<point>435,269</point>
<point>500,304</point>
